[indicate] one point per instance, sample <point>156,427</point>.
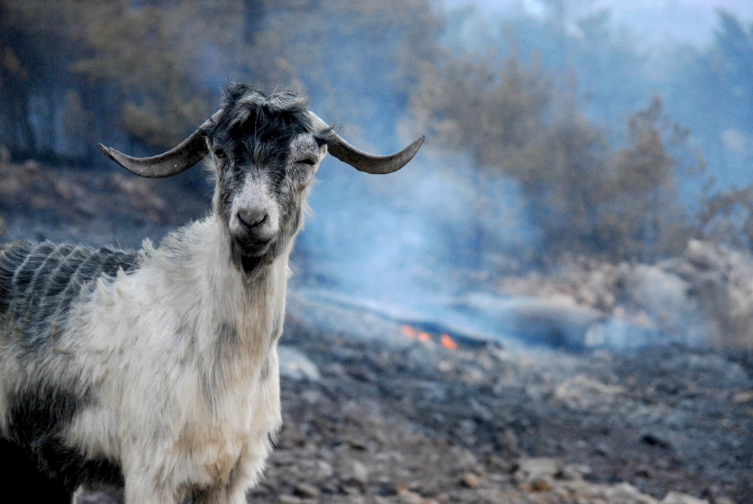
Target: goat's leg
<point>142,490</point>
<point>245,475</point>
<point>219,495</point>
<point>232,493</point>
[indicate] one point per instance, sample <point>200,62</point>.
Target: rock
<point>656,438</point>
<point>31,165</point>
<point>541,484</point>
<point>571,473</point>
<point>533,468</point>
<point>723,500</point>
<point>289,499</point>
<point>681,498</point>
<point>744,396</point>
<point>360,473</point>
<point>625,493</point>
<point>296,366</point>
<point>470,480</point>
<point>307,491</point>
<point>408,496</point>
<point>508,440</point>
<point>325,468</point>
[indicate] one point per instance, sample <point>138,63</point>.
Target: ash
<point>427,424</point>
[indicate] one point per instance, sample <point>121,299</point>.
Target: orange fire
<point>444,339</point>
<point>448,342</point>
<point>409,331</point>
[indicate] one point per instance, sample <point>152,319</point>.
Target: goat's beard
<point>250,264</point>
<point>249,261</point>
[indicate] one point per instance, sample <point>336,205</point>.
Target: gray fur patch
<point>226,334</point>
<point>265,369</point>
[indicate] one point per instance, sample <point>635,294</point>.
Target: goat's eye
<point>307,161</point>
<point>220,153</point>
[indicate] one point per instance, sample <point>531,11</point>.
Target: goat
<point>157,371</point>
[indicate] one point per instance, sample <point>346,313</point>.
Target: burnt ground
<point>456,426</point>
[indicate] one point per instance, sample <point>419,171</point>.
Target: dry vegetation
<point>586,197</point>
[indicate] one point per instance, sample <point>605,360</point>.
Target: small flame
<point>409,331</point>
<point>424,336</point>
<point>448,342</point>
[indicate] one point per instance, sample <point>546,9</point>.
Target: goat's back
<point>39,282</point>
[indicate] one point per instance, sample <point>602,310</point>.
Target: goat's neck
<point>239,317</point>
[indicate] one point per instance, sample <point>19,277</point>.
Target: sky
<point>651,21</point>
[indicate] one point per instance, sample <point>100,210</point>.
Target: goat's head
<point>265,150</point>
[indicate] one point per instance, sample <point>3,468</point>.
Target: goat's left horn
<point>363,161</point>
<point>178,159</point>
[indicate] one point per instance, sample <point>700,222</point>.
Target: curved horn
<point>180,158</point>
<point>363,161</point>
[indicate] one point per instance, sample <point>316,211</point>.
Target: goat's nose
<point>252,218</point>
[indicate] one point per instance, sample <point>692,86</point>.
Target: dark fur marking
<point>38,420</point>
<point>227,334</point>
<point>18,468</point>
<point>265,369</point>
<point>39,283</point>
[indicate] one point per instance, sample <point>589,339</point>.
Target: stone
<point>625,493</point>
<point>307,491</point>
<point>360,473</point>
<point>296,366</point>
<point>289,499</point>
<point>680,498</point>
<point>540,467</point>
<point>470,480</point>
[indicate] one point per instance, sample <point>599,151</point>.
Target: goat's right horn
<point>178,159</point>
<point>363,161</point>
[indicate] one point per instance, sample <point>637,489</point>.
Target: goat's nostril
<point>252,218</point>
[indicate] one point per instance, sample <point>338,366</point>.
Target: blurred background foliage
<point>619,153</point>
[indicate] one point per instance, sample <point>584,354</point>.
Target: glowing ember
<point>448,342</point>
<point>424,336</point>
<point>409,331</point>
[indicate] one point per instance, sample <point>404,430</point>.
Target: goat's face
<point>263,167</point>
<point>261,200</point>
<point>265,150</point>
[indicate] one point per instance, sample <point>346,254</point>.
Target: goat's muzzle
<point>253,231</point>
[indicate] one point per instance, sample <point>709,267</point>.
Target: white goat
<point>158,370</point>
